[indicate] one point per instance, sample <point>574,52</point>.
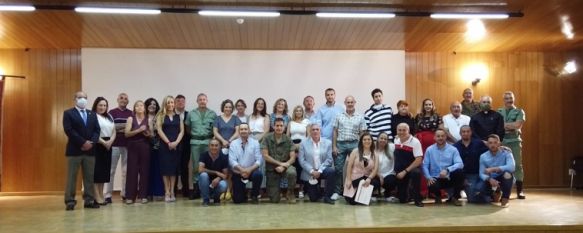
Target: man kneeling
<point>315,157</point>
<point>496,170</point>
<point>213,168</point>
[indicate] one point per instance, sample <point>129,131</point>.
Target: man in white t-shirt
<point>453,121</point>
<point>408,158</point>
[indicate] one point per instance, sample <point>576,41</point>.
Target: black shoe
<point>419,203</point>
<point>191,195</point>
<point>520,196</point>
<point>123,198</point>
<point>70,206</point>
<point>92,205</point>
<point>327,200</point>
<point>108,200</point>
<point>217,200</point>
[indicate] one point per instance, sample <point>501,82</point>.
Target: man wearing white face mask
<point>82,130</point>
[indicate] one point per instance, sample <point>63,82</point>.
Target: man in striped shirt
<point>378,116</point>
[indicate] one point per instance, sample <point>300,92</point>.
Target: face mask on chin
<point>485,107</point>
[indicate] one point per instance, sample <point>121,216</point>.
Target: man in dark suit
<point>82,130</point>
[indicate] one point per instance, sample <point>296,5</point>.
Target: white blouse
<point>386,164</point>
<point>106,126</point>
<point>298,130</point>
<point>256,125</point>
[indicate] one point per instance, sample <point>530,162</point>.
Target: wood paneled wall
<point>33,138</point>
<point>33,144</point>
<point>551,103</point>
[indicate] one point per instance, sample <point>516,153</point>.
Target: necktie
<point>84,116</point>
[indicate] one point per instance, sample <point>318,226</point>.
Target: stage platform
<point>542,211</point>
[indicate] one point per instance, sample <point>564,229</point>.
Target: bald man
<point>487,121</point>
<point>408,158</point>
<point>453,121</point>
<point>348,126</point>
<point>82,130</point>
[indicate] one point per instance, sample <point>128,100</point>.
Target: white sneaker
<point>301,195</point>
<point>463,195</point>
<point>334,197</point>
<point>392,199</point>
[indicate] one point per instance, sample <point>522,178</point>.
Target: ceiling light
<point>16,8</point>
<point>355,15</point>
<point>567,27</point>
<point>476,30</point>
<point>570,67</point>
<point>468,16</point>
<point>240,13</point>
<point>100,10</point>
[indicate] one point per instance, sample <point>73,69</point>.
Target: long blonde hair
<point>294,113</point>
<point>163,112</point>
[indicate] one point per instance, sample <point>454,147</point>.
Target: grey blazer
<point>306,157</point>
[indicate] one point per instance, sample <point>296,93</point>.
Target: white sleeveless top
<point>256,125</point>
<point>298,130</point>
<point>106,126</point>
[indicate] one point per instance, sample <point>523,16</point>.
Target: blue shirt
<point>245,156</point>
<point>438,159</point>
<point>502,159</point>
<point>325,118</point>
<point>471,154</point>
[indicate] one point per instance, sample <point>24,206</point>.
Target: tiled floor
<point>47,214</point>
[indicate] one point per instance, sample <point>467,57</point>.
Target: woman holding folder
<point>362,167</point>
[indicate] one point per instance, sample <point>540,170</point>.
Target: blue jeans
<point>344,150</point>
<point>474,185</point>
<point>203,184</point>
<point>239,189</point>
<point>506,181</point>
<point>313,191</point>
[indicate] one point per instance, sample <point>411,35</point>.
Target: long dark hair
<point>361,146</point>
<point>105,114</point>
<point>263,112</point>
<point>148,102</point>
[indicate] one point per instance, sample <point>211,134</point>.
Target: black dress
<point>169,159</point>
<point>102,170</point>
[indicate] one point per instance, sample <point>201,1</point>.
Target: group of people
<point>473,151</point>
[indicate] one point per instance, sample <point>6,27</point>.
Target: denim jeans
<point>344,150</point>
<point>474,185</point>
<point>205,191</point>
<point>506,180</point>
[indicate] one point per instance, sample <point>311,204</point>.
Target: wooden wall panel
<point>550,102</point>
<point>33,147</point>
<point>33,138</point>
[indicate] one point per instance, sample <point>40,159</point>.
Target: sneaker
<point>129,201</point>
<point>504,202</point>
<point>329,201</point>
<point>392,199</point>
<point>463,194</point>
<point>144,200</point>
<point>334,197</point>
<point>521,196</point>
<point>456,202</point>
<point>497,195</point>
<point>301,195</point>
